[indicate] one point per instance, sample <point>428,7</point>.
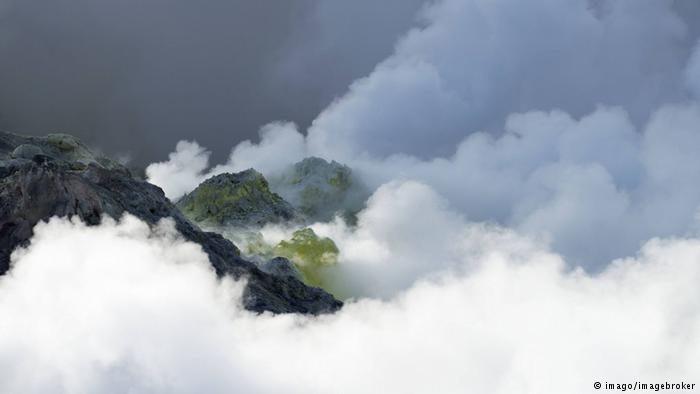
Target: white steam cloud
<point>597,187</point>
<point>188,166</point>
<point>693,72</point>
<point>122,308</point>
<point>116,308</point>
<point>592,172</point>
<point>477,61</point>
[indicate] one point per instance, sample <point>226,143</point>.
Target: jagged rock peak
<point>319,189</point>
<point>242,199</point>
<point>62,149</point>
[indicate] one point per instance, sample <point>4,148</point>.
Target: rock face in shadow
<point>56,175</point>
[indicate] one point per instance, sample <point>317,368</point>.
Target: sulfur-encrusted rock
<point>68,180</point>
<point>310,253</point>
<point>319,190</point>
<point>243,199</point>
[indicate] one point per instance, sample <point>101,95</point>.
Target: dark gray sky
<point>137,76</point>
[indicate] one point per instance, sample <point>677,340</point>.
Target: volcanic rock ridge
<point>58,176</point>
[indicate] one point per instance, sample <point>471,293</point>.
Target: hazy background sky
<point>136,76</point>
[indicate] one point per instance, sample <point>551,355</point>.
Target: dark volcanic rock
<point>281,266</point>
<point>42,177</point>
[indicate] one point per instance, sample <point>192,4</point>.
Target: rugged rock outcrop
<point>243,199</point>
<point>319,190</point>
<point>310,254</point>
<point>281,266</point>
<point>42,177</point>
